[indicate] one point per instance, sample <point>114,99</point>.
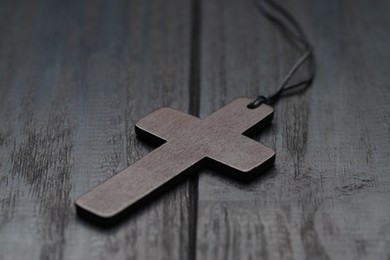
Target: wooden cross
<point>191,143</point>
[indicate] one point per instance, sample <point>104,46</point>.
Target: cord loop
<point>258,101</point>
<point>287,24</point>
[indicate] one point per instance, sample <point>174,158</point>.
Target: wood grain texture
<point>75,76</point>
<point>327,197</point>
<point>190,144</point>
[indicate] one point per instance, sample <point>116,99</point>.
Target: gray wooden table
<point>76,75</point>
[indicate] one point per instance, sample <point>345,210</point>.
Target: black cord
<point>288,25</point>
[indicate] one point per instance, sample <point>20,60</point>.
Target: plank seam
<point>194,109</point>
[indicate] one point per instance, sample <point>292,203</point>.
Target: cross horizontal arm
<point>163,123</point>
<point>243,157</point>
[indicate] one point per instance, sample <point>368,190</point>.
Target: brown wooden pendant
<point>217,141</point>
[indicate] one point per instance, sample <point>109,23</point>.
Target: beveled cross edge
<point>242,159</point>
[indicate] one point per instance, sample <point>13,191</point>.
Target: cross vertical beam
<point>190,143</point>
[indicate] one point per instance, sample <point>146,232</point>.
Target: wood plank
<point>74,77</point>
<point>327,196</point>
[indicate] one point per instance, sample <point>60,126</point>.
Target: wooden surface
<point>76,75</point>
<point>190,144</point>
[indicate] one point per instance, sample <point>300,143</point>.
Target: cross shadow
<point>157,197</point>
